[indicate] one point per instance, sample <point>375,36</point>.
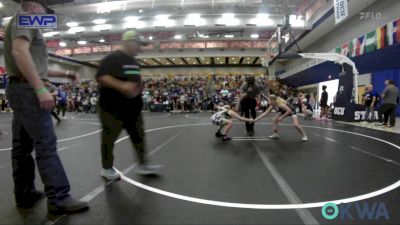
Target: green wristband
<point>41,91</point>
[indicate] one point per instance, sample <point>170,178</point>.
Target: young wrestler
<point>223,119</point>
<point>285,110</point>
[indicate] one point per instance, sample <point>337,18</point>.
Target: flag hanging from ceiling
<point>338,50</point>
<point>393,32</point>
<point>381,37</point>
<point>353,48</point>
<point>345,49</point>
<point>370,42</point>
<point>386,35</point>
<point>360,46</point>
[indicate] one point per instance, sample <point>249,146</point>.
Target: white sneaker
<point>64,118</point>
<point>110,174</point>
<point>274,136</point>
<point>147,169</point>
<point>305,138</point>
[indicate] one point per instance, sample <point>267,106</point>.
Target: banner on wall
<point>341,10</point>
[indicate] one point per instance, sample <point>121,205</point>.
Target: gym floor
<point>207,181</point>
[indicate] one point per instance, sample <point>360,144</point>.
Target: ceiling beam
<point>198,61</point>
<point>155,60</point>
<point>170,61</point>
<point>241,60</point>
<point>183,59</point>
<point>143,62</point>
<point>255,60</point>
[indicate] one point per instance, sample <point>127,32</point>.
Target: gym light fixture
<point>262,20</point>
<point>74,30</point>
<point>255,36</point>
<point>134,24</point>
<point>107,7</point>
<point>51,34</point>
<point>131,19</point>
<point>163,21</point>
<point>228,19</point>
<point>102,27</point>
<point>82,42</point>
<point>99,21</point>
<point>62,44</point>
<point>72,24</point>
<point>194,19</point>
<point>296,21</point>
<point>204,36</point>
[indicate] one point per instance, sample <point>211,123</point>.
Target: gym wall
<point>351,28</point>
<point>355,26</point>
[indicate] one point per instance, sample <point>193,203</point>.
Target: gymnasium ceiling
<point>100,23</point>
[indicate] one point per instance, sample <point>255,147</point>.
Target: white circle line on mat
<point>266,206</point>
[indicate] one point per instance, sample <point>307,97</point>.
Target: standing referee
<point>120,103</point>
<point>250,96</point>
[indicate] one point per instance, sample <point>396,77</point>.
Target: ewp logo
<point>37,21</point>
<point>351,211</point>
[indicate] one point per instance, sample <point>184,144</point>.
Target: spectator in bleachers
<point>62,97</point>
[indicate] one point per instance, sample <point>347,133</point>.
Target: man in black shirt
<point>249,98</point>
<point>324,102</point>
<point>120,103</point>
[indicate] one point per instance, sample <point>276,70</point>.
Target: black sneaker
<point>218,134</point>
<point>29,200</point>
<point>69,206</point>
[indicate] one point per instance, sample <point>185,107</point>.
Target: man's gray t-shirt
<point>38,49</point>
<point>391,94</point>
